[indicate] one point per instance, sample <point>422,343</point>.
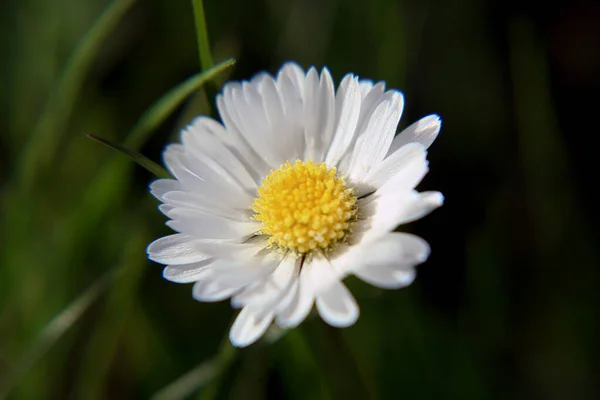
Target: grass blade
<point>160,110</point>
<point>45,138</point>
<point>55,329</point>
<point>103,190</point>
<point>206,60</point>
<point>206,373</point>
<point>142,160</point>
<point>187,384</point>
<point>102,346</point>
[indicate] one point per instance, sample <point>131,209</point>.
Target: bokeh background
<point>507,304</point>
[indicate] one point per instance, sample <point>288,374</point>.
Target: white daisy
<point>299,187</point>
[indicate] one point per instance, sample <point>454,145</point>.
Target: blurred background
<point>507,304</point>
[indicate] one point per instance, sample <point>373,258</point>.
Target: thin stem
<point>139,158</point>
<point>206,60</point>
<point>222,362</point>
<point>207,374</point>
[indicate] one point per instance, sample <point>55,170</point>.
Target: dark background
<point>507,304</point>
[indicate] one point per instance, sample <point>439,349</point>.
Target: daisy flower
<point>298,187</point>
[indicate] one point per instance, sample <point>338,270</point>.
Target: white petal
<point>369,104</point>
<point>249,326</point>
<point>285,130</point>
<point>197,177</point>
<point>269,292</point>
<point>162,186</point>
<point>311,112</point>
<point>207,226</point>
<point>214,177</point>
<point>293,107</point>
<point>175,249</point>
<point>347,111</point>
<point>393,165</point>
<point>246,102</point>
<point>245,296</point>
<point>258,78</point>
<point>295,74</point>
<point>288,297</point>
<point>337,306</point>
<point>386,277</point>
<point>284,133</point>
<point>389,261</point>
<point>423,131</point>
<point>374,142</point>
<point>298,309</point>
<point>365,87</point>
<point>205,203</point>
<point>209,290</point>
<point>427,202</point>
<point>235,141</point>
<point>397,248</point>
<point>316,277</point>
<point>319,108</point>
<point>385,213</point>
<point>327,112</point>
<point>231,250</point>
<point>370,100</point>
<point>408,176</point>
<point>188,272</point>
<point>165,209</point>
<point>244,270</point>
<point>302,302</point>
<point>319,274</point>
<point>172,159</point>
<point>344,257</point>
<point>204,139</point>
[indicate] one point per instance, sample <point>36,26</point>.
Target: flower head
<point>299,187</point>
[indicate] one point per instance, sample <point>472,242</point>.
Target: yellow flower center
<point>304,206</point>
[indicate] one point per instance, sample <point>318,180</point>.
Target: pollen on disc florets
<point>304,206</point>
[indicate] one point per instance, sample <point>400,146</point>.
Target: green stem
<point>205,374</point>
<point>140,159</point>
<point>222,362</point>
<point>206,60</point>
